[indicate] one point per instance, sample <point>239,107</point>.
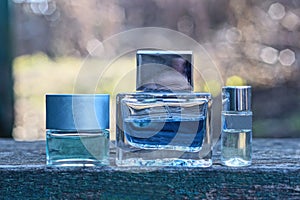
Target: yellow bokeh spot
<point>212,87</point>
<point>235,81</point>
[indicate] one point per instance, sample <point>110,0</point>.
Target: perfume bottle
<point>236,136</point>
<point>77,129</point>
<point>164,123</point>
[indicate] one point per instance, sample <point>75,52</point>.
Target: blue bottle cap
<point>77,111</point>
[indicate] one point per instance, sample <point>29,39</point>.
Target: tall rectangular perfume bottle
<point>164,124</point>
<point>236,136</point>
<point>77,129</point>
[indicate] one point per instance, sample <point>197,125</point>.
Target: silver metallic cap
<point>164,70</point>
<point>77,111</point>
<point>236,98</point>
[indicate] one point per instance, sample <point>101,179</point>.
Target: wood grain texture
<point>275,174</point>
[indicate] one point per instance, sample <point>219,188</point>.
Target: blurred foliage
<point>251,41</point>
<point>36,75</point>
<point>235,81</point>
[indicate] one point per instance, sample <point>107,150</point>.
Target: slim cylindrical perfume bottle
<point>236,136</point>
<point>165,124</point>
<point>77,129</point>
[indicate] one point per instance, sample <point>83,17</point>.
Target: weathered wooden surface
<point>275,174</point>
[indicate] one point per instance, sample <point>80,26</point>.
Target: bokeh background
<point>252,42</point>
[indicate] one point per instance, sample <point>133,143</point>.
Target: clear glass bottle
<point>236,136</point>
<point>77,129</point>
<point>165,124</point>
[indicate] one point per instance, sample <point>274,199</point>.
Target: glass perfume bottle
<point>236,136</point>
<point>165,124</point>
<point>77,129</point>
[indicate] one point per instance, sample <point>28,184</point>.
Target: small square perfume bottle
<point>77,129</point>
<point>164,123</point>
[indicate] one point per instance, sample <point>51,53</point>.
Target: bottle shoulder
<point>247,113</point>
<point>71,131</point>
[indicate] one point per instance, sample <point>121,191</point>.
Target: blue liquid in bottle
<point>185,134</point>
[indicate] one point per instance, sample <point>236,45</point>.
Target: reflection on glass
<point>164,70</point>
